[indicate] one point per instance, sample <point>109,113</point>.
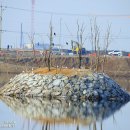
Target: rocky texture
<point>62,111</point>
<point>93,87</point>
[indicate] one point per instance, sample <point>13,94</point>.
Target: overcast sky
<point>66,13</point>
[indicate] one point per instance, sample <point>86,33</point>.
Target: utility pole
<point>60,35</point>
<point>1,14</point>
<point>21,37</point>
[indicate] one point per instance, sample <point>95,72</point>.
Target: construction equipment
<point>76,47</point>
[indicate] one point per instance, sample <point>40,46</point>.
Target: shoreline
<point>16,69</point>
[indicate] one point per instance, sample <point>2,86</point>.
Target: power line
<point>63,35</point>
<point>26,33</point>
<point>70,14</point>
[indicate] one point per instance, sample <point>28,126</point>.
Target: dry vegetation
<point>13,68</point>
<point>64,71</point>
<point>114,66</point>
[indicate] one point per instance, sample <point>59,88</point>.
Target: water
<point>43,114</point>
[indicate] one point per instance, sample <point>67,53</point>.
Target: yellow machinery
<point>75,46</point>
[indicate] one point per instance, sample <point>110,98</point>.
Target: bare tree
<point>92,35</point>
<point>50,47</point>
<point>107,42</point>
<point>107,39</point>
<point>31,37</point>
<point>80,32</point>
<point>95,39</point>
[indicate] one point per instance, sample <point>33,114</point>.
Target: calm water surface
<point>42,114</point>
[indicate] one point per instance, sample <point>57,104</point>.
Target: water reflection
<point>51,112</point>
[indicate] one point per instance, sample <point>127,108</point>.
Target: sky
<point>64,15</point>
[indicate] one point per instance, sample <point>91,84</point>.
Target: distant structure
<point>28,46</point>
<point>38,46</point>
<point>21,37</point>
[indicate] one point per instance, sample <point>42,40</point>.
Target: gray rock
<point>76,86</point>
<point>59,76</point>
<point>46,93</point>
<point>90,78</point>
<point>64,92</point>
<point>56,82</point>
<point>35,83</point>
<point>44,78</point>
<point>102,87</point>
<point>49,80</point>
<point>17,91</point>
<point>78,83</point>
<point>55,93</point>
<point>69,93</point>
<point>64,78</point>
<point>100,91</point>
<point>50,86</point>
<point>96,94</point>
<point>74,97</point>
<point>90,85</point>
<point>36,91</point>
<point>40,82</point>
<point>57,88</point>
<point>68,86</point>
<point>62,84</point>
<point>66,81</point>
<point>85,92</point>
<point>83,86</point>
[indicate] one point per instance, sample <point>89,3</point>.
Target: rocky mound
<point>94,86</point>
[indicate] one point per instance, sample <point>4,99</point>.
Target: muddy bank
<point>114,66</point>
<point>14,68</point>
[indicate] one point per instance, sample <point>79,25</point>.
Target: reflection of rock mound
<point>60,111</point>
<point>93,87</point>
